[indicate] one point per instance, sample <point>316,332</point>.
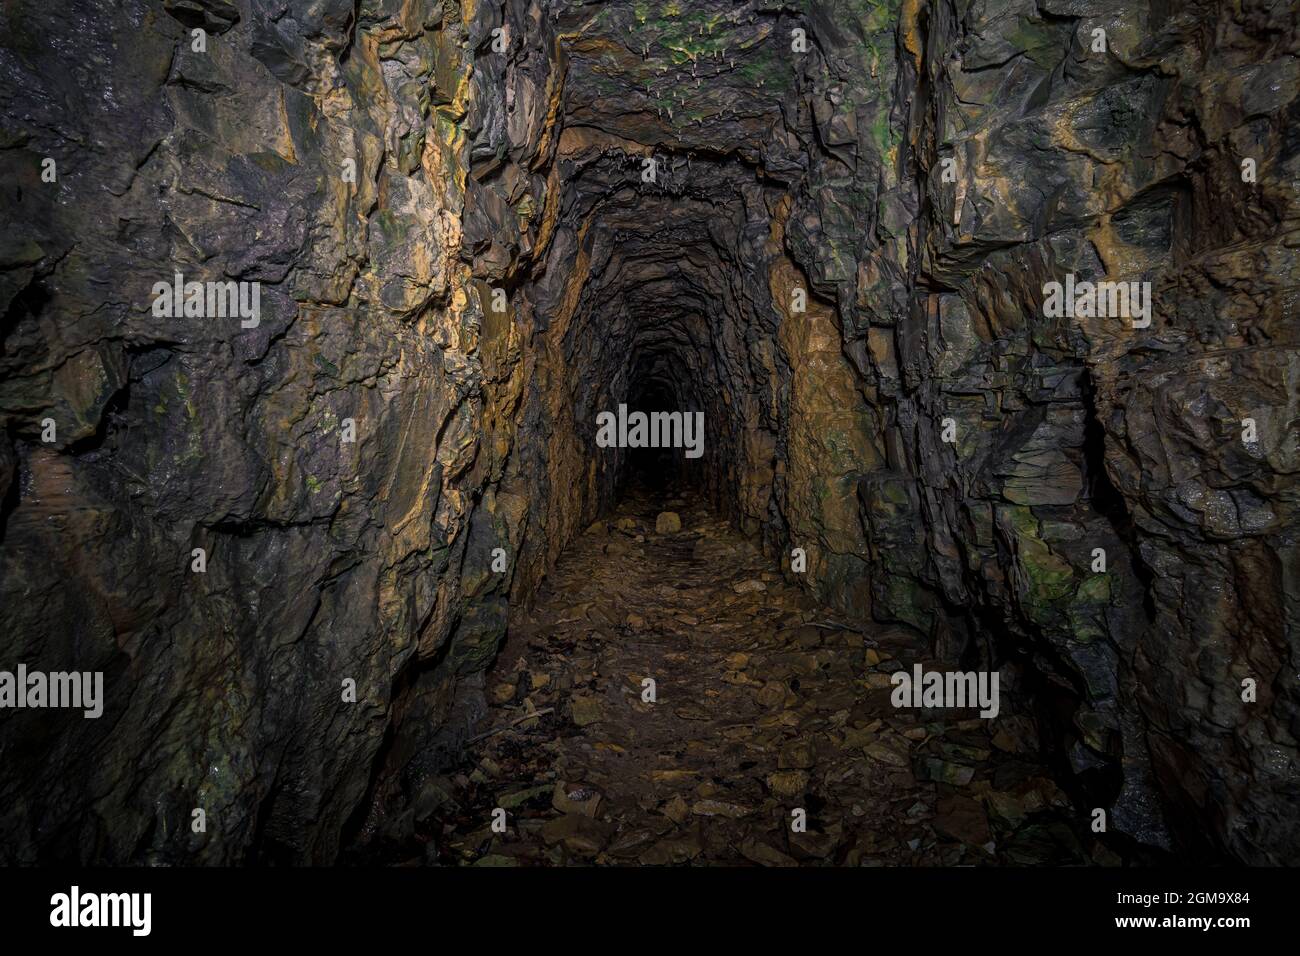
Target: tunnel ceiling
<point>695,77</point>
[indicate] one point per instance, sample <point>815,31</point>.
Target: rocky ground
<point>765,703</point>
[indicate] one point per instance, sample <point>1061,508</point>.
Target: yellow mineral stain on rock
<point>830,433</point>
<point>910,16</point>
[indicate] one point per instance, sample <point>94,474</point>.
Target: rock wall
<point>320,150</point>
<point>827,225</point>
<point>1113,141</point>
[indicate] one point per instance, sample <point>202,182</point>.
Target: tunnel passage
<point>662,308</point>
<point>661,467</point>
<point>730,228</point>
<point>826,226</point>
<point>669,272</point>
<point>677,279</point>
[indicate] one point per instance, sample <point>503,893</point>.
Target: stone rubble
<point>764,702</point>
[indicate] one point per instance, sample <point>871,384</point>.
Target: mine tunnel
<point>947,575</point>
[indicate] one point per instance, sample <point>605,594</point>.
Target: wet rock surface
<point>763,703</point>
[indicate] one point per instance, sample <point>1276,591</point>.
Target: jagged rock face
<point>325,560</point>
<point>470,243</point>
<point>1089,433</point>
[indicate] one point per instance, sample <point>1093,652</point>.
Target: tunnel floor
<point>764,703</point>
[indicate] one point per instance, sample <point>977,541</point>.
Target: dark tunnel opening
<point>670,463</point>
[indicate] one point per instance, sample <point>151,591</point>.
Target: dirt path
<point>764,705</point>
